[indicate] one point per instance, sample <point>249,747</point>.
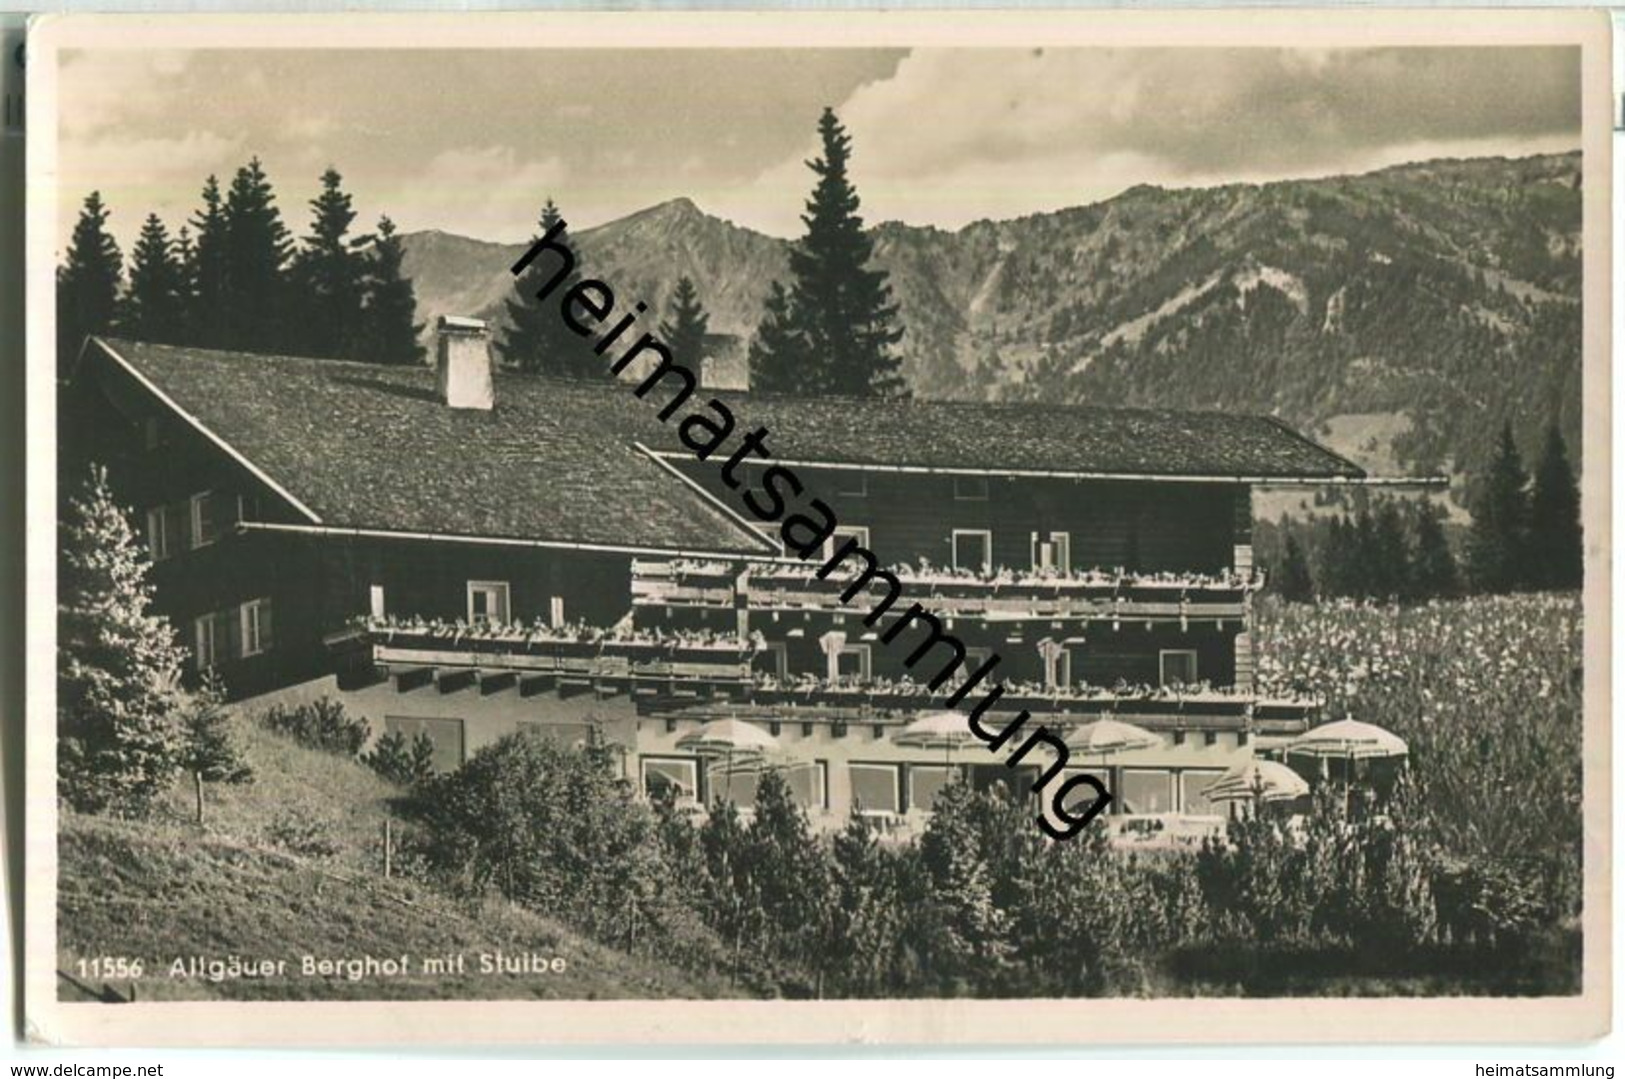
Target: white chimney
<point>463,362</point>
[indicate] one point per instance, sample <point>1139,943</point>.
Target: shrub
<point>400,761</point>
<point>320,724</point>
<point>299,834</point>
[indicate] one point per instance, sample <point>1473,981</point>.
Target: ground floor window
<point>875,787</point>
<point>1191,799</point>
<point>809,783</point>
<point>1082,796</point>
<point>209,640</point>
<point>1146,790</point>
<point>567,735</point>
<point>733,781</point>
<point>446,735</point>
<point>674,777</point>
<point>925,782</point>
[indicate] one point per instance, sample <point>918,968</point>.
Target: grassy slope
<point>164,889</point>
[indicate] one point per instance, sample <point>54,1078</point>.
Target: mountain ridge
<point>1443,295</point>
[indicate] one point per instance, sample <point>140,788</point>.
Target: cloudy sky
<point>472,141</point>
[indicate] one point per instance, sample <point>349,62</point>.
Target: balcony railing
<point>1003,595</point>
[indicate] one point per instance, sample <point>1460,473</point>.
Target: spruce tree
<point>1498,541</point>
<point>778,357</point>
<point>1556,554</point>
<point>87,284</point>
<point>186,285</point>
<point>256,257</point>
<point>841,306</point>
<point>389,334</point>
<point>210,753</point>
<point>327,276</point>
<point>119,699</point>
<point>1293,581</point>
<point>685,328</point>
<point>206,318</point>
<point>154,309</point>
<point>1389,557</point>
<point>1433,565</point>
<point>538,342</point>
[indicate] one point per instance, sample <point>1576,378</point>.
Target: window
<point>1191,786</point>
<point>842,533</point>
<point>774,659</point>
<point>1058,667</point>
<point>851,483</point>
<point>1178,667</point>
<point>487,602</point>
<point>809,784</point>
<point>1082,796</point>
<point>673,777</point>
<point>152,432</point>
<point>852,661</point>
<point>256,626</point>
<point>970,488</point>
<point>208,640</point>
<point>205,526</point>
<point>733,780</point>
<point>555,611</point>
<point>565,734</point>
<point>158,538</point>
<point>875,787</point>
<point>973,549</point>
<point>375,600</point>
<point>446,735</point>
<point>925,782</point>
<point>1054,553</point>
<point>1147,791</point>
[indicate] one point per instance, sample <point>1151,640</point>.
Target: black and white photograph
<point>638,508</point>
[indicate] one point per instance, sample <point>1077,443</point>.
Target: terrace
<point>1002,595</point>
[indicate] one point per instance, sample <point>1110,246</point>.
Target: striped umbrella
<point>1263,781</point>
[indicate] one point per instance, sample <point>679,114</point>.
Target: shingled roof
<point>369,446</point>
<point>372,447</point>
<point>1026,437</point>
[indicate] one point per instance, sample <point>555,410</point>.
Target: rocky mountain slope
<point>1408,309</point>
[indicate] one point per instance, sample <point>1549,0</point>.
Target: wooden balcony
<point>1002,597</point>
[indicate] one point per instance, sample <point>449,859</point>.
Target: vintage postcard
<point>806,527</point>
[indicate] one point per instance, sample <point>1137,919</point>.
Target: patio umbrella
<point>728,738</point>
<point>1105,737</point>
<point>1349,739</point>
<point>946,731</point>
<point>1265,781</point>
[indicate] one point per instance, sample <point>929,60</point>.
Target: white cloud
<point>484,191</point>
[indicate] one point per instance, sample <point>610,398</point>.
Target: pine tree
<point>1499,538</point>
<point>778,357</point>
<point>538,342</point>
<point>119,699</point>
<point>155,310</point>
<point>389,334</point>
<point>206,317</point>
<point>1433,566</point>
<point>684,330</point>
<point>1556,554</point>
<point>87,284</point>
<point>1389,557</point>
<point>210,753</point>
<point>327,276</point>
<point>1292,581</point>
<point>843,309</point>
<point>256,257</point>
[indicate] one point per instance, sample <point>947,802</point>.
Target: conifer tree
<point>186,285</point>
<point>1293,581</point>
<point>1499,537</point>
<point>256,257</point>
<point>1556,556</point>
<point>778,356</point>
<point>684,330</point>
<point>538,342</point>
<point>209,752</point>
<point>1433,565</point>
<point>119,699</point>
<point>389,334</point>
<point>327,275</point>
<point>867,916</point>
<point>154,309</point>
<point>206,321</point>
<point>87,284</point>
<point>1388,560</point>
<point>841,306</point>
<point>791,873</point>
